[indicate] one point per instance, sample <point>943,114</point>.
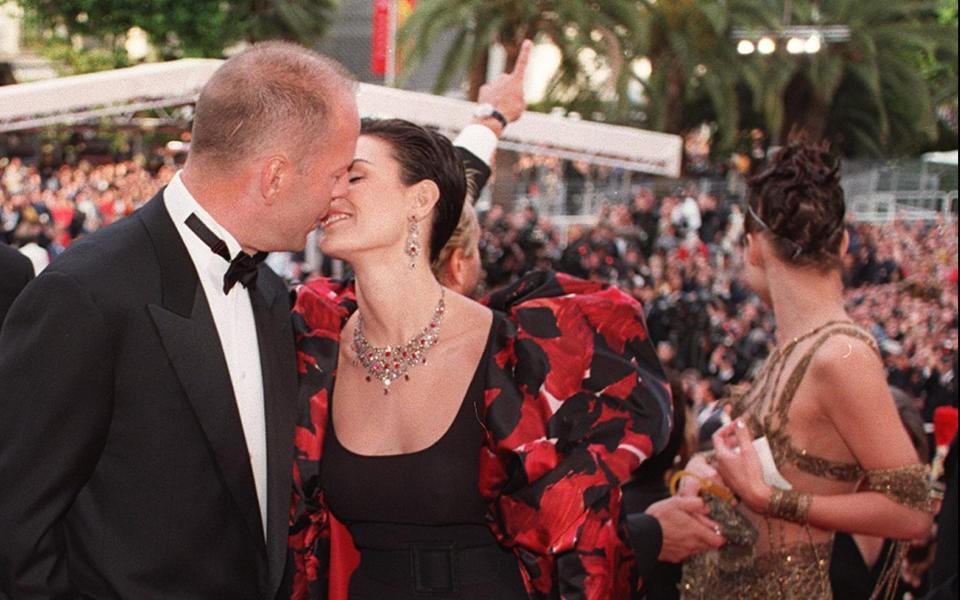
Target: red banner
<point>380,36</point>
<point>379,39</point>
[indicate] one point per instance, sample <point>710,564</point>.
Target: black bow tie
<point>243,267</point>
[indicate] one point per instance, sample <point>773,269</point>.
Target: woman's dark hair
<point>425,154</point>
<point>797,198</point>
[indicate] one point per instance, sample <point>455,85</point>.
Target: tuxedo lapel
<point>186,328</point>
<point>278,365</point>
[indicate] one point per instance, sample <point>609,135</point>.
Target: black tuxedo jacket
<point>477,171</point>
<point>15,272</point>
<point>124,472</point>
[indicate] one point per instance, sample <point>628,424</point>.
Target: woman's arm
<point>848,382</point>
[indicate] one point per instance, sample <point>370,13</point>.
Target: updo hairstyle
<point>798,201</point>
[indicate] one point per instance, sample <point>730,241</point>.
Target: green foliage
<point>178,28</point>
<point>605,26</point>
<point>899,64</point>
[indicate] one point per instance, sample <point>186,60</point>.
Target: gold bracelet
<point>789,505</point>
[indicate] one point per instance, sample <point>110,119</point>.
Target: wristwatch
<point>482,111</point>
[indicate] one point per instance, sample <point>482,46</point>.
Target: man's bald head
<point>274,95</point>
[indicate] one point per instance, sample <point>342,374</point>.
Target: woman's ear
<point>754,255</point>
<point>424,195</point>
<point>844,243</point>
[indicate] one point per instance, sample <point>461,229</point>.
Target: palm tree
<point>694,62</point>
<point>606,26</point>
<point>870,94</point>
<point>303,21</point>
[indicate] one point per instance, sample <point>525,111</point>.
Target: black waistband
<point>435,566</point>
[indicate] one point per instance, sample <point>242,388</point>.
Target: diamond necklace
<point>389,363</point>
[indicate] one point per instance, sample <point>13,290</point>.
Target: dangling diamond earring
<point>413,247</point>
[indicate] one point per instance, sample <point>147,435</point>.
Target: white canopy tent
<point>81,98</point>
<point>941,158</point>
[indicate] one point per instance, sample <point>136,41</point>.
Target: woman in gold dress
<point>843,461</point>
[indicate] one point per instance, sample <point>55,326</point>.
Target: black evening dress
<point>418,519</point>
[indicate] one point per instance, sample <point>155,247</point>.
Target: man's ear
<point>456,271</point>
<point>276,170</point>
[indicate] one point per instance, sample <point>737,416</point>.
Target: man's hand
<point>686,528</point>
<point>505,93</point>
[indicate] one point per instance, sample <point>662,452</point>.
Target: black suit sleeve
<point>646,539</point>
<point>478,172</point>
<point>16,271</point>
<point>949,590</point>
<point>55,402</point>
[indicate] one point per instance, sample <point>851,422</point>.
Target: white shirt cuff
<point>479,140</point>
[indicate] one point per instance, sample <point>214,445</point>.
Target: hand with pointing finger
<point>505,93</point>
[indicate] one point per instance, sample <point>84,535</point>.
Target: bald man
<point>148,376</point>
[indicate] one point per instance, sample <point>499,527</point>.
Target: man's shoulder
<point>121,254</point>
<point>15,263</point>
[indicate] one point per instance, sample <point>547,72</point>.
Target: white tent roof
<point>122,91</point>
<point>157,85</point>
<point>943,158</point>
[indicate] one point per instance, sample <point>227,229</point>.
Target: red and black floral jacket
<point>575,400</point>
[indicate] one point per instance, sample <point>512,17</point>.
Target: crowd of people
<point>45,209</point>
<point>678,254</point>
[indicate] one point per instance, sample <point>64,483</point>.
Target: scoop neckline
<point>484,357</point>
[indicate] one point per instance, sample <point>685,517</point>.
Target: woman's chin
<point>333,250</point>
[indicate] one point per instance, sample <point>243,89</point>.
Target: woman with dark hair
<point>469,451</point>
<point>835,456</point>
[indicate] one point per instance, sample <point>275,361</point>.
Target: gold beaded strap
<point>785,452</point>
<point>908,485</point>
<point>780,442</point>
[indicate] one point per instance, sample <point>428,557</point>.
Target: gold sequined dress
<point>773,559</point>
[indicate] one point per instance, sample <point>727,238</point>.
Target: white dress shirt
<point>233,317</point>
<point>479,140</point>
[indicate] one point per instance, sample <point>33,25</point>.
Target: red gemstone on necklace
<point>387,354</point>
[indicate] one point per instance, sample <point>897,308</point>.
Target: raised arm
<point>504,95</point>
